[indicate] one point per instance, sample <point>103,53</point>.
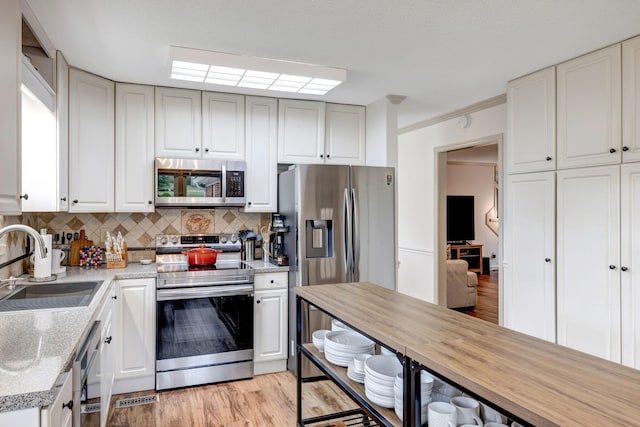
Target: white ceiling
<point>441,54</point>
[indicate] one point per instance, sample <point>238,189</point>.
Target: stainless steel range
<point>204,313</point>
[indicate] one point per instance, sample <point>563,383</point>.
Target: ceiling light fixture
<point>251,72</point>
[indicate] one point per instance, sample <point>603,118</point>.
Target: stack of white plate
<point>354,373</point>
<point>341,346</point>
<point>426,386</point>
<point>379,378</point>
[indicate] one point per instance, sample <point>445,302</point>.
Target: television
<point>460,219</point>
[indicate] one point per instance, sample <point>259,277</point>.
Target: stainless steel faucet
<point>40,248</point>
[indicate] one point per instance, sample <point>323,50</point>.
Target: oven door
<point>203,327</point>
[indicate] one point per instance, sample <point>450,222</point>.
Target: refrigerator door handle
<point>355,238</point>
<point>347,238</point>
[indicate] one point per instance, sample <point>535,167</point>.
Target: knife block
<point>122,263</point>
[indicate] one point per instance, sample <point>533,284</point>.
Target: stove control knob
<point>163,240</point>
<point>175,240</point>
<point>223,239</point>
<point>234,238</point>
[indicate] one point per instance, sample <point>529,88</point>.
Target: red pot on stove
<point>202,255</point>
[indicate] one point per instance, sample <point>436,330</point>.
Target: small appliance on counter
<point>277,252</point>
<point>248,239</point>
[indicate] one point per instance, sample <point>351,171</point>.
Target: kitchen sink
<point>49,295</point>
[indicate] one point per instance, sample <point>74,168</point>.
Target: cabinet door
<point>62,111</point>
<point>588,278</point>
<point>270,325</point>
<point>630,263</point>
<point>589,109</point>
<point>10,52</point>
<point>631,100</point>
<point>91,143</point>
<point>529,287</point>
<point>531,122</point>
<point>135,327</point>
<point>59,413</point>
<point>301,131</point>
<point>345,135</point>
<point>106,366</point>
<point>134,148</point>
<point>262,154</point>
<point>223,126</point>
<point>178,115</point>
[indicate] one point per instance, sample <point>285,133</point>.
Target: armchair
<point>462,284</point>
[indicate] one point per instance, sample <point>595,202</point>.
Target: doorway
<point>472,169</point>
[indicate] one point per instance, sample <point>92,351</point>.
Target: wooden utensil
<point>76,246</point>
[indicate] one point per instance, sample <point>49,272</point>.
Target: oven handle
<point>173,284</point>
<point>203,292</point>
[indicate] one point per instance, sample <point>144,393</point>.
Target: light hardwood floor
<point>266,400</point>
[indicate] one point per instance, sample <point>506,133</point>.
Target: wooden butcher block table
<point>541,383</point>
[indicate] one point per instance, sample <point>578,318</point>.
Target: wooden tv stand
<point>470,253</point>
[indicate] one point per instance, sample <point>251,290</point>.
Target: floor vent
<point>135,401</point>
<point>90,408</point>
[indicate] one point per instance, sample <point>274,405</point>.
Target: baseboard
<point>269,367</point>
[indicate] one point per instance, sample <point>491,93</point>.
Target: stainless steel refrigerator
<point>342,229</point>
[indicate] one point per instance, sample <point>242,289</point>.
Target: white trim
<point>38,31</point>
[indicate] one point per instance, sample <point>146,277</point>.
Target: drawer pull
<point>69,405</point>
<point>108,340</point>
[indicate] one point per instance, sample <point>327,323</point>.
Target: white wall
<point>476,180</point>
<point>417,275</point>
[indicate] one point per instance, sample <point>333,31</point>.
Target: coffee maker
<point>276,243</point>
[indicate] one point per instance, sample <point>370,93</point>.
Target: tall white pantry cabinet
<point>581,218</point>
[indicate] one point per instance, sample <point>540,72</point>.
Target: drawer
<point>271,280</point>
<point>59,414</point>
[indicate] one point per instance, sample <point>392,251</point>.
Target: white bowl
<point>386,352</point>
<point>349,341</point>
<point>318,338</point>
<point>337,325</point>
<point>383,367</point>
<point>145,261</point>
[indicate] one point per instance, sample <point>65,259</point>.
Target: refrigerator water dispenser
<point>319,237</point>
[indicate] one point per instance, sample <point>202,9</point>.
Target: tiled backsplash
<point>138,229</point>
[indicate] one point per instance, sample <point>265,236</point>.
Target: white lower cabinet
<point>59,413</point>
<point>135,327</point>
<point>270,322</point>
<point>107,348</point>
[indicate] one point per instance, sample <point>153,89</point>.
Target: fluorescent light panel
<point>256,73</point>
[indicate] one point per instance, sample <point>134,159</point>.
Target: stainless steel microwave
<point>199,183</point>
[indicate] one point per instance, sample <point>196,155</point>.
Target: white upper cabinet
<point>588,266</point>
<point>262,154</point>
<point>91,142</point>
<point>301,128</point>
<point>178,123</point>
<point>631,100</point>
<point>531,122</point>
<point>529,286</point>
<point>345,134</point>
<point>134,148</point>
<point>62,112</point>
<point>223,126</point>
<point>10,41</point>
<point>589,117</point>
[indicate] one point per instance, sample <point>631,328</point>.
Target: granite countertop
<point>266,267</point>
<point>36,346</point>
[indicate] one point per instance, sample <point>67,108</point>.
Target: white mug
<point>488,414</point>
<point>495,425</point>
<point>467,410</point>
<point>441,414</point>
<point>57,256</point>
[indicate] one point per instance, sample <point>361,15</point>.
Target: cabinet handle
<point>108,340</point>
<point>24,196</point>
<point>328,156</point>
<point>612,267</point>
<point>547,260</point>
<point>258,302</point>
<point>197,149</point>
<point>548,158</point>
<point>623,268</point>
<point>206,150</point>
<point>75,202</point>
<point>272,281</point>
<point>114,297</point>
<point>69,405</point>
<point>64,199</point>
<point>612,150</point>
<point>625,148</point>
<point>249,203</point>
<point>321,156</point>
<point>150,202</point>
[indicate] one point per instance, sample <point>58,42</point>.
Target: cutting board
<point>76,246</point>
